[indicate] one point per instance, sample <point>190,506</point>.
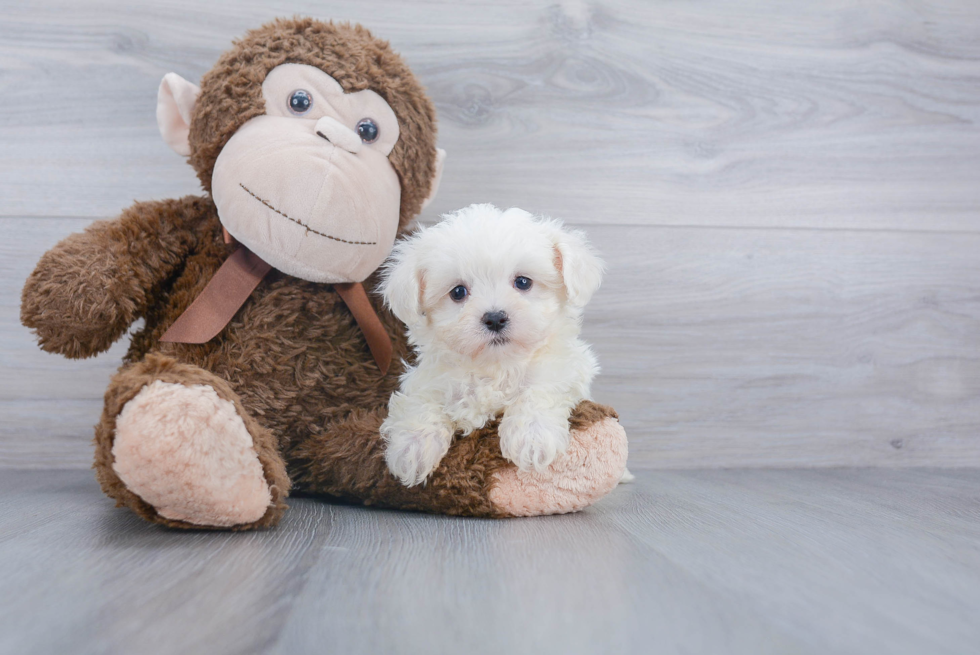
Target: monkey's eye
<point>458,294</point>
<point>522,283</point>
<point>368,130</point>
<point>300,102</point>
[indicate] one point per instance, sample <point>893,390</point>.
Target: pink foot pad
<point>186,451</point>
<point>590,468</point>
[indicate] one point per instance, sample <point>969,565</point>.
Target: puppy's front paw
<point>412,455</point>
<point>533,440</point>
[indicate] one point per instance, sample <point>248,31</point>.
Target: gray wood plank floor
<point>786,194</point>
<point>722,561</point>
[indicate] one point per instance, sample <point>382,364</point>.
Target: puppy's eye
<point>300,102</point>
<point>458,294</point>
<point>522,283</point>
<point>368,130</point>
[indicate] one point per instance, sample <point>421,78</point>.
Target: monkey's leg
<point>177,447</point>
<point>346,460</point>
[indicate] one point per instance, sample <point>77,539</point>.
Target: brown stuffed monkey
<point>262,364</point>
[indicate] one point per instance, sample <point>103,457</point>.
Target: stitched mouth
<point>304,225</point>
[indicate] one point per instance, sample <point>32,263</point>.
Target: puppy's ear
<point>579,266</point>
<point>403,282</point>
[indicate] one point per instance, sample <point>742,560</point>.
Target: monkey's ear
<point>434,189</point>
<point>579,266</point>
<point>175,104</point>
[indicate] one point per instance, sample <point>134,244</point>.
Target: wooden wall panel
<point>786,193</point>
<point>756,113</point>
<point>719,347</point>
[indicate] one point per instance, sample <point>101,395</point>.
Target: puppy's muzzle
<point>495,321</point>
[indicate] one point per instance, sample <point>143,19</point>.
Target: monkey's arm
<point>346,459</point>
<point>87,290</point>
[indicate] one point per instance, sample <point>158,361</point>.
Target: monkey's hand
<point>87,290</point>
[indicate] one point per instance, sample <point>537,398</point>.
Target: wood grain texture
<point>757,113</point>
<point>790,347</point>
<point>719,348</point>
<point>746,561</point>
<point>786,194</point>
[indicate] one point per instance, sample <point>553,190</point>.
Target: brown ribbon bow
<point>235,281</point>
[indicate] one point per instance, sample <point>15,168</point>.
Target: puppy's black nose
<point>495,321</point>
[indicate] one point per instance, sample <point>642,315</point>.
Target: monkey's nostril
<point>338,134</point>
<point>495,321</point>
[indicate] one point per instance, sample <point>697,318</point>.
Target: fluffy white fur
<point>534,371</point>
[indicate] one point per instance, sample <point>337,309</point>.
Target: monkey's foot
<point>591,467</point>
<point>186,452</point>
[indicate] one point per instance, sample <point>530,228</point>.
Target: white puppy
<point>493,301</point>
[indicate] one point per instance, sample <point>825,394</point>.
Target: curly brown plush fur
<point>292,361</point>
<point>86,292</point>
